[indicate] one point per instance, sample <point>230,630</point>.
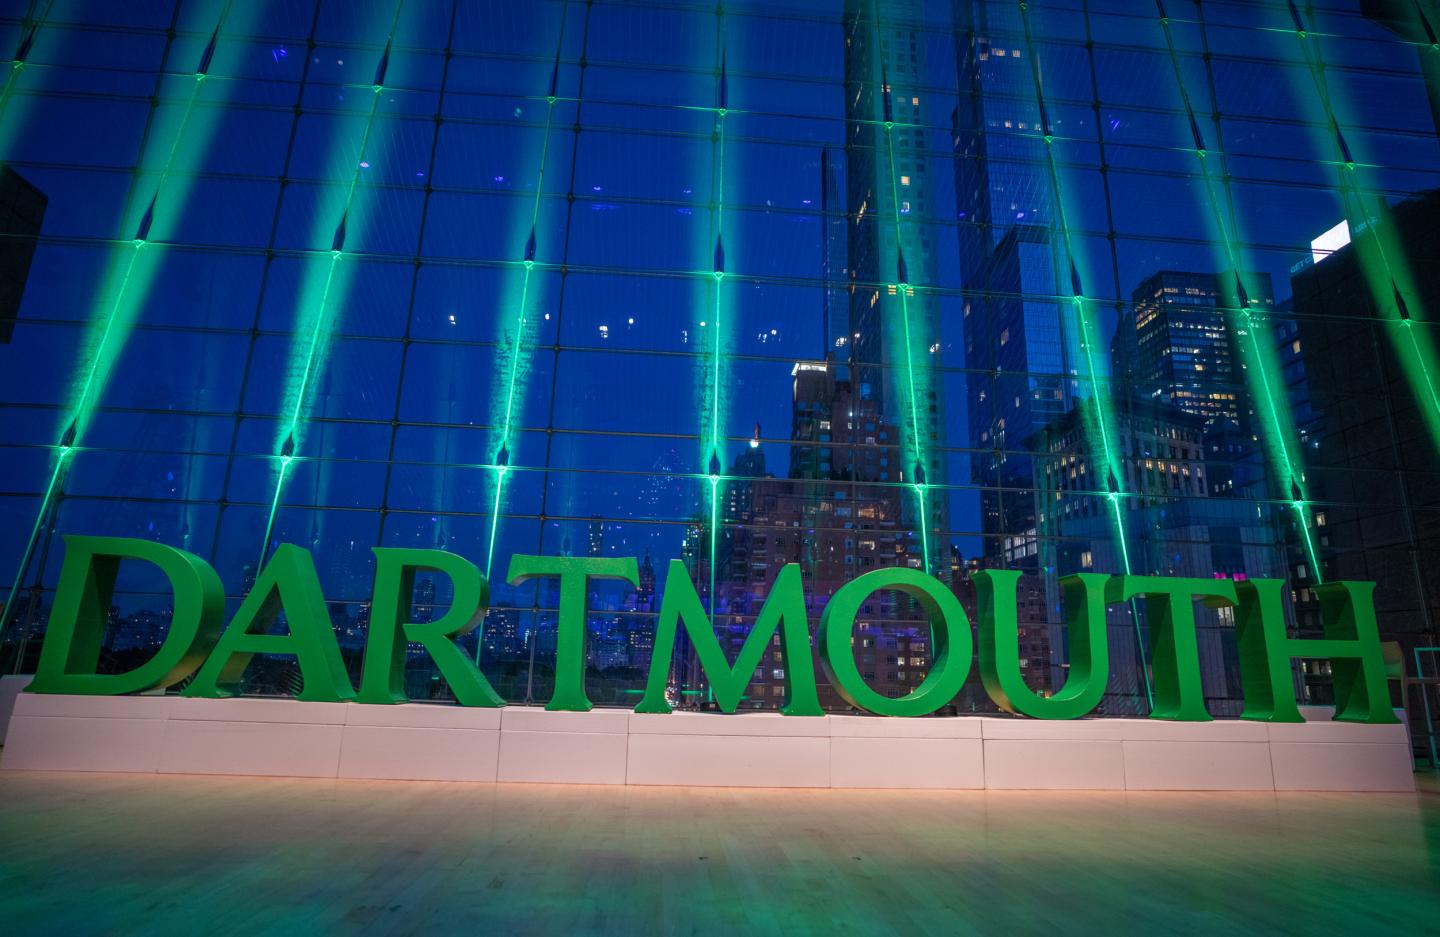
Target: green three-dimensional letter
<point>784,609</point>
<point>383,680</point>
<point>953,648</point>
<point>575,572</point>
<point>287,583</point>
<point>999,629</point>
<point>1174,650</point>
<point>82,602</point>
<point>1351,643</point>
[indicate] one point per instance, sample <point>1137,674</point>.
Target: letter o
<point>950,627</point>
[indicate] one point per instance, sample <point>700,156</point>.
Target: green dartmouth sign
<point>196,645</point>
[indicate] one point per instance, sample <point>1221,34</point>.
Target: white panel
<point>93,707</point>
<point>751,724</point>
<point>1018,727</point>
<point>1197,766</point>
<point>562,757</point>
<point>1166,730</point>
<point>258,709</point>
<point>1342,766</point>
<point>1331,731</point>
<point>1019,764</point>
<point>871,727</point>
<point>907,763</point>
<point>729,761</point>
<point>62,743</point>
<point>281,737</point>
<point>10,687</point>
<point>535,719</point>
<point>423,715</point>
<point>270,749</point>
<point>416,754</point>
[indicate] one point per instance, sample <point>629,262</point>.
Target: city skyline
<point>508,357</point>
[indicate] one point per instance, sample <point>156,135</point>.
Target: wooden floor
<point>125,854</point>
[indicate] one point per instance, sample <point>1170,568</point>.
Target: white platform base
<point>287,738</point>
<point>10,687</point>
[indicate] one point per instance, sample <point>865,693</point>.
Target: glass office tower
<point>1060,286</point>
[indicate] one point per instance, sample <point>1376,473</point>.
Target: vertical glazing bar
<point>1099,429</point>
<point>30,27</point>
<point>500,463</point>
<point>113,323</point>
<point>1381,256</point>
<point>1249,332</point>
<point>307,356</point>
<point>717,384</point>
<point>914,439</point>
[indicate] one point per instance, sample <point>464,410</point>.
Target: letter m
<point>784,610</point>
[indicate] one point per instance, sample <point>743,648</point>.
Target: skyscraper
<point>1173,526</point>
<point>1370,410</point>
<point>833,518</point>
<point>1183,351</point>
<point>1015,339</point>
<point>894,316</point>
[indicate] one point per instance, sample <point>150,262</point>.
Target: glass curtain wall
<point>1064,286</point>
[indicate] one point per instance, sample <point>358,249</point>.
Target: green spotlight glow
<point>1098,428</point>
<point>914,451</point>
<point>1094,376</point>
<point>500,472</point>
<point>18,63</point>
<point>131,274</point>
<point>284,463</point>
<point>516,348</point>
<point>714,534</point>
<point>317,319</point>
<point>1381,257</point>
<point>711,389</point>
<point>1262,372</point>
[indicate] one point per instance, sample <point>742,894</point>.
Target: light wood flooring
<point>132,854</point>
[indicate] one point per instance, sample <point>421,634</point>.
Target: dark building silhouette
<point>1372,419</point>
<point>22,212</point>
<point>1416,22</point>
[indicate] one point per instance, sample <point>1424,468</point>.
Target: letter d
<point>71,652</point>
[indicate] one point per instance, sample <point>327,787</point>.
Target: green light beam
<point>1281,447</point>
<point>288,441</point>
<point>1114,486</point>
<point>21,57</point>
<point>1385,275</point>
<point>274,506</point>
<point>714,533</point>
<point>716,461</point>
<point>84,404</point>
<point>517,341</point>
<point>902,289</point>
<point>115,322</point>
